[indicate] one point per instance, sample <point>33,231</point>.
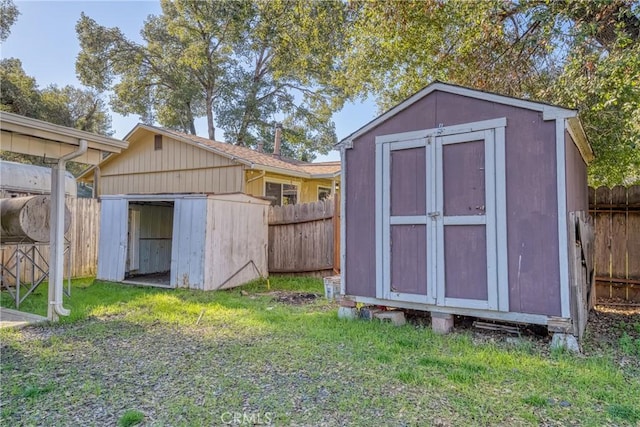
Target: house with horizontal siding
<point>160,160</point>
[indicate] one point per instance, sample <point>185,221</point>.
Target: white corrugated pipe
<point>56,264</point>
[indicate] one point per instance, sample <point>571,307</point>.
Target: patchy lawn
<point>144,356</point>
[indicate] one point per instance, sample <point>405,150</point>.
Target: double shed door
<point>441,219</point>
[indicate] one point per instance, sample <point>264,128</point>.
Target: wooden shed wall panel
<point>465,262</point>
<point>188,246</point>
<point>409,259</point>
<point>236,243</point>
<point>463,178</point>
<point>408,182</point>
<point>576,173</point>
<point>532,231</point>
<point>113,240</point>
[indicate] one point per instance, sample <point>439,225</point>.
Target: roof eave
<point>550,112</point>
<point>575,129</point>
<point>20,124</point>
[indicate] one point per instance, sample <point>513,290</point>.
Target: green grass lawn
<point>130,355</point>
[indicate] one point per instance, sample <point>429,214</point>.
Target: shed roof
<point>31,136</point>
<point>549,111</point>
<point>247,156</point>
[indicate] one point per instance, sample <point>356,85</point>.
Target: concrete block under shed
<point>347,313</point>
<point>566,341</point>
<point>368,313</point>
<point>441,323</point>
<point>396,317</point>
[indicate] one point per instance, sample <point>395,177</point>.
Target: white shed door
<point>112,246</point>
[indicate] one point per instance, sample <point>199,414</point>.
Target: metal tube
<point>56,264</point>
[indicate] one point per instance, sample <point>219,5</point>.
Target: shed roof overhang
<point>26,135</point>
<point>549,112</point>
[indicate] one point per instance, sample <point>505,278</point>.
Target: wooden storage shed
<point>196,241</point>
<point>457,201</point>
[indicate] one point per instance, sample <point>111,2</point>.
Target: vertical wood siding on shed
<point>532,230</point>
<point>177,168</point>
<point>112,246</point>
<point>236,243</point>
<point>576,172</point>
<point>188,251</point>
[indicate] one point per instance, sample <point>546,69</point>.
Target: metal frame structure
<point>30,254</point>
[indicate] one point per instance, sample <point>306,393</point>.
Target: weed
<point>34,390</point>
<point>624,412</point>
<point>410,377</point>
<point>130,418</point>
<point>536,400</point>
<point>629,345</point>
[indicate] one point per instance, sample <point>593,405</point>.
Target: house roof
<point>247,156</point>
<point>549,112</point>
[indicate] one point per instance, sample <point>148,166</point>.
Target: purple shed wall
<point>534,285</point>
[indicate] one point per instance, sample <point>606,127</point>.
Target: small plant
<point>130,418</point>
<point>34,390</point>
<point>624,412</point>
<point>629,345</point>
<point>410,377</point>
<point>536,400</point>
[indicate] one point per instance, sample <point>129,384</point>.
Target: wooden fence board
<point>633,233</point>
<point>301,238</point>
<point>616,214</point>
<point>618,241</point>
<point>603,233</point>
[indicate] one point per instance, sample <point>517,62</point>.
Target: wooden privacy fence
<point>304,238</point>
<point>616,215</point>
<point>83,241</point>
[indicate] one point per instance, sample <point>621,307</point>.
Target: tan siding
<point>142,157</point>
<point>308,187</point>
<point>309,190</point>
<point>178,167</point>
<point>225,180</point>
<point>255,187</point>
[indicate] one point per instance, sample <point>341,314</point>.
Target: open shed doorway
<point>149,243</point>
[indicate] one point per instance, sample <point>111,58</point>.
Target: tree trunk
<point>192,124</point>
<point>210,124</point>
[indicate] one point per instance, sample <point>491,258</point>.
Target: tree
<point>283,71</point>
<point>68,106</point>
<point>8,16</point>
<point>243,64</point>
<point>578,53</point>
<point>18,92</point>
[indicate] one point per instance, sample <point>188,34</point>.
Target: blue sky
<point>44,39</point>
